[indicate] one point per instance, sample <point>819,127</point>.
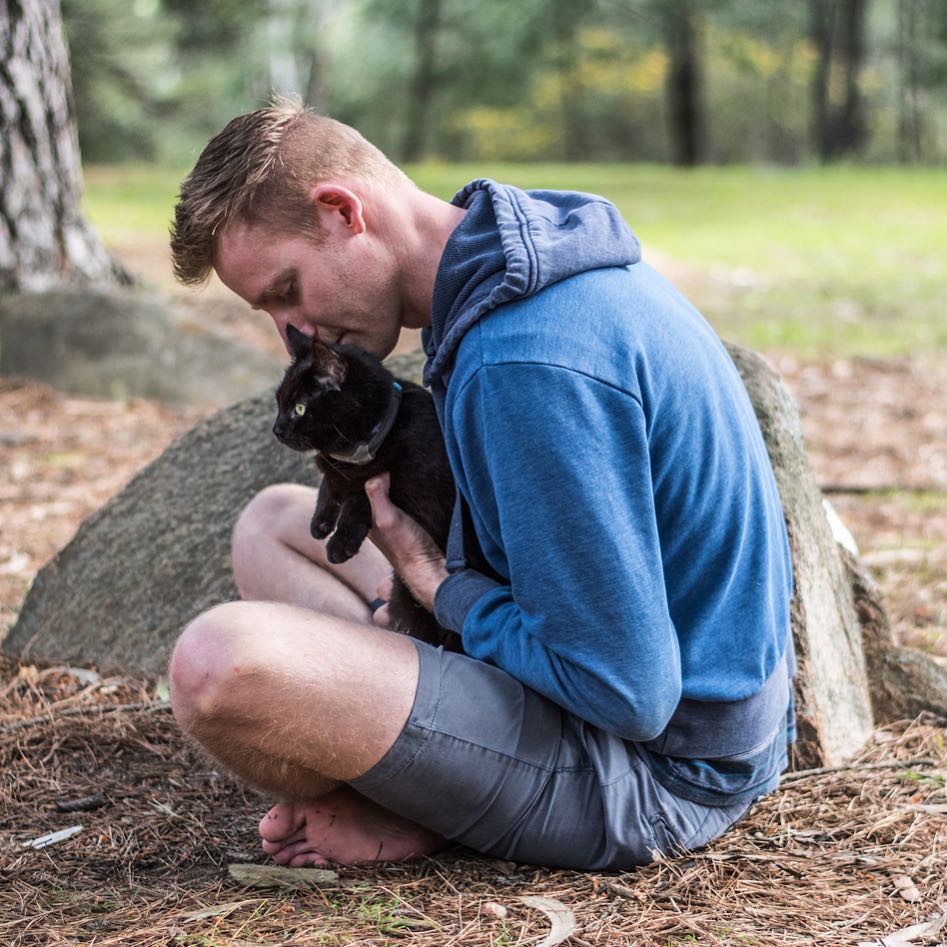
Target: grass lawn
<point>815,261</point>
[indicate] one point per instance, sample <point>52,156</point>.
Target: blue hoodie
<point>612,470</point>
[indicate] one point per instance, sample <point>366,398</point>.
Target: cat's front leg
<point>327,512</point>
<point>355,520</point>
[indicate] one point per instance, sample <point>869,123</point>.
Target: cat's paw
<point>320,527</point>
<point>341,548</point>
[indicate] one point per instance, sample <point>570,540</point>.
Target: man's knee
<point>212,651</point>
<point>267,518</point>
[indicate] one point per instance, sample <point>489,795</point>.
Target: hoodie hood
<point>510,245</point>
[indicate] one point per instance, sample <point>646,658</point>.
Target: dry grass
<point>817,862</point>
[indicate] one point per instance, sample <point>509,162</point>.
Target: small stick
<point>858,490</point>
<point>823,770</point>
<point>616,888</point>
<point>151,707</point>
<point>44,841</point>
<point>85,804</point>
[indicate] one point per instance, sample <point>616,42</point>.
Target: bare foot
<point>342,828</point>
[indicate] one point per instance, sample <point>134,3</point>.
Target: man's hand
<point>410,550</point>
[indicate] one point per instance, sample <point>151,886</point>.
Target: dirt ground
<point>839,857</point>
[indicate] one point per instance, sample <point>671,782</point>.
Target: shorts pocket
<point>664,841</point>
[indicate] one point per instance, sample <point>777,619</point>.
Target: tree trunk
<point>44,239</point>
<point>315,59</point>
<point>837,30</point>
<point>909,112</point>
<point>567,16</point>
<point>822,17</point>
<point>684,85</point>
<point>284,74</point>
<point>422,84</point>
<point>852,130</point>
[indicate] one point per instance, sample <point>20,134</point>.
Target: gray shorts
<point>487,762</point>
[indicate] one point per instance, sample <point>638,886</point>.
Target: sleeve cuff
<point>457,594</point>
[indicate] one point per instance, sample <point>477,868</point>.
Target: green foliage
<point>534,80</point>
<point>118,52</point>
<point>153,79</point>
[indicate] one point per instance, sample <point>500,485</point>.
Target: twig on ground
<point>97,709</point>
<point>825,770</point>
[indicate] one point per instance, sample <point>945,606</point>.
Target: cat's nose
<point>279,427</point>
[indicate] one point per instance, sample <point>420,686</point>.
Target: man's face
<point>343,289</point>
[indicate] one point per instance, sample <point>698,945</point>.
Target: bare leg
<point>276,559</point>
<point>297,700</point>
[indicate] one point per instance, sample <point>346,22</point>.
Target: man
<point>626,683</point>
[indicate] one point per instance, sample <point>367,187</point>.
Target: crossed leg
<point>297,692</point>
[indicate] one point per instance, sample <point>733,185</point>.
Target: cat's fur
<point>346,393</point>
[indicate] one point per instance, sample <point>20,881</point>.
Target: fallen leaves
<point>924,933</point>
<point>561,918</point>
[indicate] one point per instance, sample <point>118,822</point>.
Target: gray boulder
<point>125,343</point>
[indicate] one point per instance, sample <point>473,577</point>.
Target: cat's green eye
<point>300,408</point>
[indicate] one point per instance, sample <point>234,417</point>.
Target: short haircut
<point>261,169</point>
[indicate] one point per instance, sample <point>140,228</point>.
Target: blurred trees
<point>648,80</point>
<point>838,38</point>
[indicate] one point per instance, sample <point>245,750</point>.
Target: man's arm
<point>556,469</point>
<point>411,551</point>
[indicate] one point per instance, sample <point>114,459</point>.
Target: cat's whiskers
<point>340,433</point>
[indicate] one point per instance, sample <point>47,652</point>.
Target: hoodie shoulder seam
<point>568,369</point>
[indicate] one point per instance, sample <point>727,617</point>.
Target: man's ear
<point>328,366</point>
<point>340,207</point>
<point>299,343</point>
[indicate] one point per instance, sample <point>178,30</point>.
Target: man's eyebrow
<point>274,287</point>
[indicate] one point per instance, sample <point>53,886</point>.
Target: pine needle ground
<point>840,857</point>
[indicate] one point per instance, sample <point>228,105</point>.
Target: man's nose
<point>281,320</point>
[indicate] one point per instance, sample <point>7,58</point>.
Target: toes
<point>271,848</point>
<point>281,822</point>
<point>307,859</point>
<point>295,854</point>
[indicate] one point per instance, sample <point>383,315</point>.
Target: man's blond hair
<point>261,169</point>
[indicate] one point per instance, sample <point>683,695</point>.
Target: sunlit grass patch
<point>841,260</point>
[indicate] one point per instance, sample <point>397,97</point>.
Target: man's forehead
<point>245,260</point>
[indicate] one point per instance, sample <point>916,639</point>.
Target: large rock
<point>158,554</point>
<point>832,698</point>
<point>122,343</point>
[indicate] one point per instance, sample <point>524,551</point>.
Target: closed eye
<point>288,296</point>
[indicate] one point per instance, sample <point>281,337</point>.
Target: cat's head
<point>331,396</point>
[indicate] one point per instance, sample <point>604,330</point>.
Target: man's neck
<point>424,225</point>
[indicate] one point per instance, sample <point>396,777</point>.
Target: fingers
<point>385,587</point>
<point>384,513</point>
<point>413,553</point>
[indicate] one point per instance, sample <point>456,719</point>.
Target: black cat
<point>341,402</point>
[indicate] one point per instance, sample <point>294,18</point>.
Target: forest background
<point>681,81</point>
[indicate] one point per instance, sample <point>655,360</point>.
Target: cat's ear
<point>299,342</point>
<point>327,365</point>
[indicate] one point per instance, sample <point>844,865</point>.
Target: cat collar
<point>365,451</point>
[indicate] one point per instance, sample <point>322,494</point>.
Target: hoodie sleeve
<point>555,467</point>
